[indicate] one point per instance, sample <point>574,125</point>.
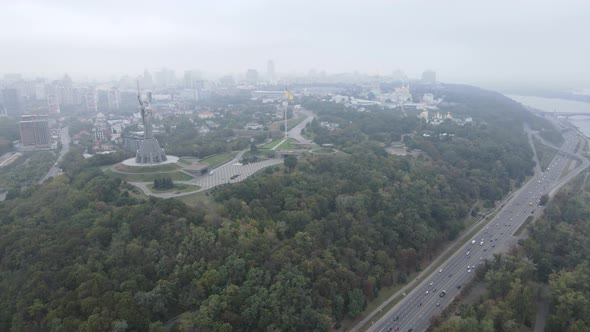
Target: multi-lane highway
<point>437,290</point>
<point>65,147</point>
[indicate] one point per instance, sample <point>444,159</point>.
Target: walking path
<point>295,133</point>
<point>279,144</point>
<point>223,174</point>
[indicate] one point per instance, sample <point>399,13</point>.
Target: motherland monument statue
<point>149,151</point>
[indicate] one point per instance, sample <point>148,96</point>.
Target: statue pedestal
<point>133,163</point>
<point>150,152</point>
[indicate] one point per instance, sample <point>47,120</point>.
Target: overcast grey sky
<point>463,40</point>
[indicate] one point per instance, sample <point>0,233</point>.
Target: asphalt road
<point>65,142</point>
<point>295,133</point>
<point>415,310</point>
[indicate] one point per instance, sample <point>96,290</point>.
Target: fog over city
<point>463,40</point>
<point>294,165</point>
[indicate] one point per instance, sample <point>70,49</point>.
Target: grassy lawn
<point>288,145</point>
<point>178,187</point>
<point>176,176</point>
<point>147,169</point>
<point>193,199</point>
<point>272,144</point>
<point>260,153</point>
<point>218,159</point>
<point>323,150</point>
<point>184,161</point>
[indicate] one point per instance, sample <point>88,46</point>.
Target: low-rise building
<point>330,125</point>
<point>273,95</point>
<point>254,126</point>
<point>206,115</point>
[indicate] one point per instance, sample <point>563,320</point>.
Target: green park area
<point>288,145</point>
<point>272,143</point>
<point>279,144</point>
<point>178,188</point>
<point>176,176</point>
<point>324,150</point>
<point>218,159</point>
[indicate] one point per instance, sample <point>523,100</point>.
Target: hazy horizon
<point>464,41</point>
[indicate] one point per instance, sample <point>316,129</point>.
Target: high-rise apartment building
<point>252,76</point>
<point>113,99</point>
<point>40,90</point>
<point>270,72</point>
<point>146,80</point>
<point>192,79</point>
<point>91,101</point>
<point>165,78</point>
<point>26,89</point>
<point>65,90</point>
<point>429,76</point>
<point>12,101</point>
<point>53,104</point>
<point>34,131</point>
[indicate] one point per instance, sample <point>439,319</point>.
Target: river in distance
<point>560,105</point>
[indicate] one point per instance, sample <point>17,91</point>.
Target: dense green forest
<point>295,249</point>
<point>552,265</point>
<point>492,149</point>
<point>186,141</point>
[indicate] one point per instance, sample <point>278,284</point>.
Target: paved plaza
<point>225,173</point>
<point>230,172</point>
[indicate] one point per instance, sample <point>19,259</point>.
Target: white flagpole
<point>285,105</point>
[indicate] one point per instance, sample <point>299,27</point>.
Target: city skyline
<point>462,41</point>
